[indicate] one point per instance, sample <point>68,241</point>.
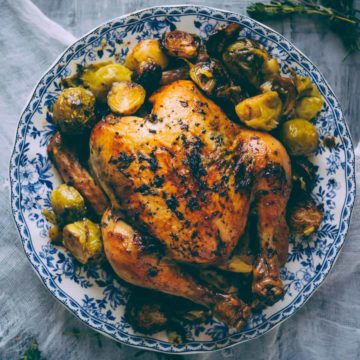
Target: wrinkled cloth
<point>327,327</point>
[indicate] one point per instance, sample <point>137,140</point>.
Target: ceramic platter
<point>95,295</point>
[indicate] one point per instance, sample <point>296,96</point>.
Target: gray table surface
<point>326,51</point>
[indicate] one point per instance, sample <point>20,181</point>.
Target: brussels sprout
<point>248,60</point>
<point>55,234</point>
<point>146,311</point>
<point>148,75</point>
<point>181,44</point>
<point>74,111</point>
<point>299,137</point>
<point>99,80</point>
<point>286,89</point>
<point>303,176</point>
<point>176,335</point>
<point>218,41</point>
<point>209,76</point>
<point>309,100</point>
<point>83,240</point>
<point>143,51</point>
<point>260,112</point>
<point>303,85</point>
<point>67,204</point>
<point>308,107</point>
<point>305,217</point>
<point>50,216</point>
<point>126,97</point>
<point>170,76</point>
<point>75,80</point>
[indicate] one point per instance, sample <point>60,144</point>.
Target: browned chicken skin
<point>137,260</point>
<point>187,176</point>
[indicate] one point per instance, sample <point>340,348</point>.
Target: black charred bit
<point>123,161</point>
<point>158,181</point>
<point>193,204</point>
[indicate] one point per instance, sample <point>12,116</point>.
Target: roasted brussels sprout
<point>286,89</point>
<point>83,240</point>
<point>126,97</point>
<point>55,234</point>
<point>74,111</point>
<point>210,76</point>
<point>219,40</point>
<point>172,75</point>
<point>146,311</point>
<point>308,107</point>
<point>99,80</point>
<point>309,100</point>
<point>179,43</point>
<point>260,112</point>
<point>176,334</point>
<point>67,204</point>
<point>305,217</point>
<point>303,176</point>
<point>148,75</point>
<point>75,79</point>
<point>299,136</point>
<point>148,318</point>
<point>303,85</point>
<point>249,61</point>
<point>143,51</point>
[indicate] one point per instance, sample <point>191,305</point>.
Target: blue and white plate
<point>98,298</point>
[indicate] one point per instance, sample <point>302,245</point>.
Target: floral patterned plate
<point>95,295</point>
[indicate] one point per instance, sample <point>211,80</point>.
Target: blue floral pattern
<point>94,294</point>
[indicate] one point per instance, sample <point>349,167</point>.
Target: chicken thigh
<point>187,176</point>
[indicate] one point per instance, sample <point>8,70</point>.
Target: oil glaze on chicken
<point>186,177</point>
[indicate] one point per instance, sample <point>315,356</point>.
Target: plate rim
<point>213,344</point>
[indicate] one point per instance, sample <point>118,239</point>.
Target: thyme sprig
<point>342,16</point>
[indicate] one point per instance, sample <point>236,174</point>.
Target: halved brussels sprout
<point>55,234</point>
<point>286,89</point>
<point>260,112</point>
<point>146,311</point>
<point>303,84</point>
<point>126,97</point>
<point>221,38</point>
<point>303,176</point>
<point>308,107</point>
<point>299,136</point>
<point>309,101</point>
<point>305,217</point>
<point>148,75</point>
<point>99,80</point>
<point>83,240</point>
<point>74,111</point>
<point>248,60</point>
<point>143,51</point>
<point>67,204</point>
<point>181,44</point>
<point>209,76</point>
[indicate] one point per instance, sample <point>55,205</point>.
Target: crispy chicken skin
<point>138,260</point>
<point>187,176</point>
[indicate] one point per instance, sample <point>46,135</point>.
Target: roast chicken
<point>181,183</point>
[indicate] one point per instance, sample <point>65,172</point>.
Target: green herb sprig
<point>342,16</point>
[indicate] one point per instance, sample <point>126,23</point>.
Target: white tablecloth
<point>327,327</point>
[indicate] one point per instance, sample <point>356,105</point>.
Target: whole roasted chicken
<point>176,189</point>
<point>186,177</point>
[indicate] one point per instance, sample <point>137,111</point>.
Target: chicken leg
<point>139,262</point>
